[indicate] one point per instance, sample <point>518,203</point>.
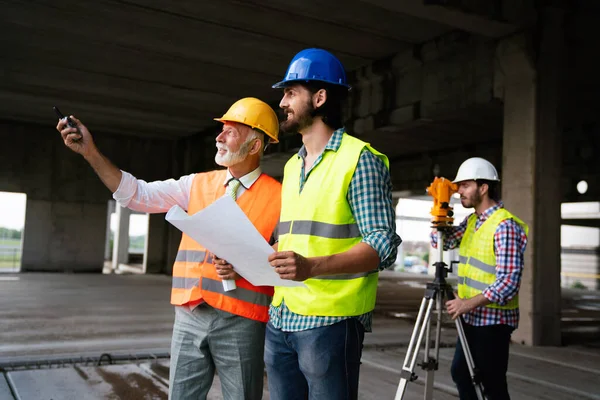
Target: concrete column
<point>400,255</point>
<point>174,239</point>
<point>63,237</point>
<point>121,239</point>
<point>110,209</point>
<point>156,245</point>
<point>531,170</point>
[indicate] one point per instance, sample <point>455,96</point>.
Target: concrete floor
<point>66,316</point>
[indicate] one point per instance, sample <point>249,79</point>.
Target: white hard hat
<point>476,168</point>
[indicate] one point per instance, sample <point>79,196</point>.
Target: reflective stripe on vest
<point>319,222</point>
<point>190,256</point>
<point>321,229</point>
<point>195,277</point>
<point>185,283</point>
<point>488,268</point>
<point>194,256</point>
<point>477,261</point>
<point>217,287</point>
<point>481,286</point>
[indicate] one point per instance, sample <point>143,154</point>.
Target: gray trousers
<point>206,340</point>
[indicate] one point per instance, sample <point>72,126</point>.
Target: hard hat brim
<point>271,138</point>
<point>284,84</point>
<point>474,179</point>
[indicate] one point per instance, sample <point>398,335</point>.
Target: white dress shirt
<point>160,196</point>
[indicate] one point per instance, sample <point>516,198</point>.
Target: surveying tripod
<point>441,190</point>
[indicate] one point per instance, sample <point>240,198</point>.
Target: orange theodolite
<point>441,189</point>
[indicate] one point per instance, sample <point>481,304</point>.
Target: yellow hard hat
<point>254,113</point>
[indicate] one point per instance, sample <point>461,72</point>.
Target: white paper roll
<point>229,284</point>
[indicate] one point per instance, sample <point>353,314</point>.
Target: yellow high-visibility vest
<point>318,222</point>
<point>477,261</point>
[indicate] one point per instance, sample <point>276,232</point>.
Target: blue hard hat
<point>314,65</point>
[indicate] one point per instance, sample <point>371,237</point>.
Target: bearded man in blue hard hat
<point>336,232</point>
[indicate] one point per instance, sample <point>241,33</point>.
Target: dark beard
<point>474,201</point>
<point>300,120</point>
<point>477,199</point>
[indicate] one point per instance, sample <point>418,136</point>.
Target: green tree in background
<point>6,233</point>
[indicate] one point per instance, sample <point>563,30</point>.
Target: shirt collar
<point>487,213</point>
<point>247,180</point>
<point>334,143</point>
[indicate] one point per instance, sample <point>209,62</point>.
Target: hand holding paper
<point>291,265</point>
<point>226,273</point>
<point>224,229</point>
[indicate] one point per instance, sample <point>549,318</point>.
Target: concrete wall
<point>66,202</point>
<point>157,243</point>
<point>429,109</point>
<point>581,105</point>
<point>440,77</point>
<point>414,173</point>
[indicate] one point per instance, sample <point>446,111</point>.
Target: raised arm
<point>136,194</point>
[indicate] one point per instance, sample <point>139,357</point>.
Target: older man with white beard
<point>214,329</point>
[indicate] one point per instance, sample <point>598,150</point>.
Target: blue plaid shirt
<point>370,198</point>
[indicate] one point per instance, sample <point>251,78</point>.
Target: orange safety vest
<point>194,274</point>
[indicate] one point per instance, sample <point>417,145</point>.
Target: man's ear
<point>483,189</point>
<point>319,98</point>
<point>256,146</point>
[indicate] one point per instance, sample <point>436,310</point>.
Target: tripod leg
<point>475,378</point>
<point>433,363</point>
<point>438,330</point>
<point>414,345</point>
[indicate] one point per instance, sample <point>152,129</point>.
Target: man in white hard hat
<point>492,242</point>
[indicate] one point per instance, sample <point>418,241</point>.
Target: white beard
<point>228,159</point>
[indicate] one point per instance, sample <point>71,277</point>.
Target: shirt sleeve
<point>452,236</point>
<point>510,242</point>
<point>370,198</point>
<point>153,197</point>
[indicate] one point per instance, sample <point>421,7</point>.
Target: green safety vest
<point>477,261</point>
<point>318,222</point>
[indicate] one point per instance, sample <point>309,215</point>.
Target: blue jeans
<point>319,363</point>
<point>206,340</point>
